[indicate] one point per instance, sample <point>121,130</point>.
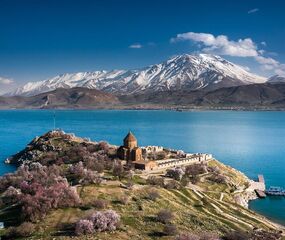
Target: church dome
<point>130,137</point>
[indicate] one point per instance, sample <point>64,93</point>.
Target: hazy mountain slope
<point>254,95</point>
<point>180,72</point>
<point>62,98</point>
<point>262,96</point>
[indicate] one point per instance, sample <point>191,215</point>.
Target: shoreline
<point>174,109</point>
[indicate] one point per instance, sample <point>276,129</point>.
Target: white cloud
<point>254,10</point>
<point>136,45</point>
<point>5,81</point>
<point>266,60</point>
<point>223,46</point>
<point>220,44</point>
<point>263,43</point>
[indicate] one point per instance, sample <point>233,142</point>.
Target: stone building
<point>130,150</point>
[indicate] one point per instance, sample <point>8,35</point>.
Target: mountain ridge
<point>185,71</point>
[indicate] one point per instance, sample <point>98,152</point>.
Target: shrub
<point>213,169</point>
<point>195,169</point>
<point>194,179</point>
<point>124,199</point>
<point>103,146</point>
<point>11,195</point>
<point>98,166</point>
<point>11,233</point>
<point>189,236</point>
<point>237,235</point>
<point>78,170</point>
<point>173,185</point>
<point>170,230</point>
<point>100,203</point>
<point>153,195</point>
<point>261,234</point>
<point>105,221</point>
<point>26,229</point>
<point>217,178</point>
<point>84,227</point>
<point>176,173</point>
<point>165,216</point>
<point>157,181</point>
<point>129,174</point>
<point>118,171</point>
<point>185,181</point>
<point>90,177</point>
<point>209,236</point>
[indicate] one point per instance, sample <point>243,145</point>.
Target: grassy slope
<point>194,210</point>
<point>197,208</point>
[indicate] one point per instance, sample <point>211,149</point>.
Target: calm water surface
<point>253,142</point>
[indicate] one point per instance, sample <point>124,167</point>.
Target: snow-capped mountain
<point>185,71</point>
<point>276,79</point>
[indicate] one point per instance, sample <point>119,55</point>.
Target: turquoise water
<point>253,142</point>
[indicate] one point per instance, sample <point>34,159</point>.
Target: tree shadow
<point>156,234</point>
<point>65,229</point>
<point>149,219</point>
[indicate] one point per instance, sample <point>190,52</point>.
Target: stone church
<point>130,150</point>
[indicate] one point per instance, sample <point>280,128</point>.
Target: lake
<point>252,142</point>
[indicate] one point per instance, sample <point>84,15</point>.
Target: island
<point>68,187</point>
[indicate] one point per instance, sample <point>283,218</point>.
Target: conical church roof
<point>130,137</point>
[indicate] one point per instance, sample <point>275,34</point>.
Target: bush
<point>105,221</point>
<point>217,178</point>
<point>124,199</point>
<point>157,181</point>
<point>118,171</point>
<point>237,235</point>
<point>185,236</point>
<point>203,236</point>
<point>194,179</point>
<point>173,185</point>
<point>103,146</point>
<point>100,203</point>
<point>130,184</point>
<point>98,167</point>
<point>11,233</point>
<point>185,181</point>
<point>170,230</point>
<point>213,169</point>
<point>261,234</point>
<point>165,216</point>
<point>195,169</point>
<point>78,170</point>
<point>90,177</point>
<point>26,229</point>
<point>84,227</point>
<point>153,195</point>
<point>176,173</point>
<point>209,236</point>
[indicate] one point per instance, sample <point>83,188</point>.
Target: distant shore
<point>154,107</point>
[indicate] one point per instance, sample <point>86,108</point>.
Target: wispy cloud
<point>263,43</point>
<point>254,10</point>
<point>223,46</point>
<point>136,45</point>
<point>6,81</point>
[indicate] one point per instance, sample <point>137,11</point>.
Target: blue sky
<point>40,39</point>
